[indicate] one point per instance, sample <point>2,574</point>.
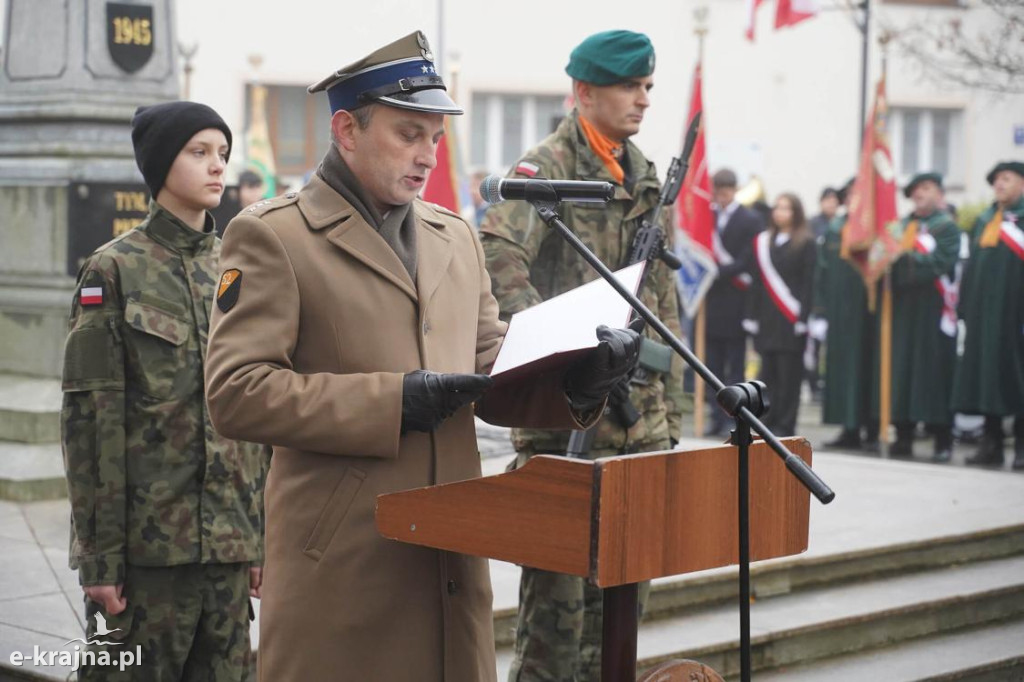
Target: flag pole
<point>700,28</point>
<point>885,345</point>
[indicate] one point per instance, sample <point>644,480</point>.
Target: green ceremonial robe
<point>923,354</point>
<point>841,298</point>
<point>990,375</point>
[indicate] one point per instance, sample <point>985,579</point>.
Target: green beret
<point>1012,166</point>
<point>918,179</point>
<point>611,57</point>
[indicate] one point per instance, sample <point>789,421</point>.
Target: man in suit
<point>733,241</point>
<point>352,330</point>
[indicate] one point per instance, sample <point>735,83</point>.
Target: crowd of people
<point>233,409</point>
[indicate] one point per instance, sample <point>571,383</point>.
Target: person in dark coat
<point>924,291</point>
<point>989,377</point>
<point>785,257</point>
<point>733,241</point>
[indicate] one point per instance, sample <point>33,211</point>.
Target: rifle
<point>648,245</point>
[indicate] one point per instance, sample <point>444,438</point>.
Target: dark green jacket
<point>150,481</point>
<point>923,346</point>
<point>990,376</point>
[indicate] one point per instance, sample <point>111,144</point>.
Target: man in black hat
<point>990,376</point>
<point>167,514</point>
<point>924,291</point>
<point>353,331</point>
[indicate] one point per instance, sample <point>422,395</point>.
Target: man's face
<point>1008,187</point>
<point>829,205</point>
<point>196,178</point>
<point>393,156</point>
<point>927,198</point>
<point>250,194</point>
<point>723,196</point>
<point>616,110</point>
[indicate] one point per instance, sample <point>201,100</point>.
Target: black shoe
<point>1018,454</point>
<point>989,452</point>
<point>845,440</point>
<point>870,445</point>
<point>943,451</point>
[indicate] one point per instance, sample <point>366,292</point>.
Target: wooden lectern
<point>617,521</point>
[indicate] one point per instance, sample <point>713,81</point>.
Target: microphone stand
<point>745,402</point>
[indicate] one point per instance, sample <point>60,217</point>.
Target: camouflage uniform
<point>150,482</point>
<point>559,631</point>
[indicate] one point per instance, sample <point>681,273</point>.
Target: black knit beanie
<point>160,131</point>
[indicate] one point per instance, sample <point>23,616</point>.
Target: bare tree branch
<point>988,57</point>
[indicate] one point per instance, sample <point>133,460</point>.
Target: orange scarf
<point>605,148</point>
<point>990,237</point>
<point>909,236</point>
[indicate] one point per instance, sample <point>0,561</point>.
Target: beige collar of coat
<point>321,206</point>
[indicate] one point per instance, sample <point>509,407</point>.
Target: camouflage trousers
<point>187,622</point>
<point>558,631</point>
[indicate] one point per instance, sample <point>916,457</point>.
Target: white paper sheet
<point>565,323</point>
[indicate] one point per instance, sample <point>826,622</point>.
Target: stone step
<point>791,574</point>
<point>29,409</point>
<point>824,622</point>
<point>30,472</point>
<point>821,623</point>
<point>986,654</point>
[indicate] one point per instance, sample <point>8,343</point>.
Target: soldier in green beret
<point>166,513</point>
<point>924,290</point>
<point>558,635</point>
<point>990,375</point>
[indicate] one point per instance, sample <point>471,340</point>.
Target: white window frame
<point>955,177</point>
<point>494,125</point>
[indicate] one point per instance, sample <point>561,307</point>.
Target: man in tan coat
<point>352,329</point>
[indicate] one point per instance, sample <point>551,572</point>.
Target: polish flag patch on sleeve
<point>91,296</point>
<point>527,168</point>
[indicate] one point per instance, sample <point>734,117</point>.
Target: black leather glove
<point>428,398</point>
<point>593,376</point>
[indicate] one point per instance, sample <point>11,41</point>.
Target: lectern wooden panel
<point>617,520</point>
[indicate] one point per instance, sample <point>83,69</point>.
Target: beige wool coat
<point>310,359</point>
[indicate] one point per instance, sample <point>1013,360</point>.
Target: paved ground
<point>878,503</point>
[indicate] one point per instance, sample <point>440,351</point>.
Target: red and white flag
<point>752,6</point>
<point>695,237</point>
<point>790,12</point>
<point>91,296</point>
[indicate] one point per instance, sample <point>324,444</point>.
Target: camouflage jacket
<point>530,263</point>
<point>151,483</point>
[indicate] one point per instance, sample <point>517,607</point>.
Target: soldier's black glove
<point>428,398</point>
<point>592,377</point>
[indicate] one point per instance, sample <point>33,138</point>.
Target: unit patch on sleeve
<point>227,292</point>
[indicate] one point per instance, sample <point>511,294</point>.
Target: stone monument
<point>73,73</point>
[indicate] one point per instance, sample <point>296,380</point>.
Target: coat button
<point>453,587</point>
<point>290,195</point>
<point>426,327</point>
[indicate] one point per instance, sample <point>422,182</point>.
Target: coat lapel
<point>322,206</point>
<point>434,254</point>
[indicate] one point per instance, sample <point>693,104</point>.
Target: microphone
<point>495,189</point>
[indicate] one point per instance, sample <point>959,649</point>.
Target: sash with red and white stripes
<point>741,281</point>
<point>777,289</point>
<point>1013,237</point>
<point>948,288</point>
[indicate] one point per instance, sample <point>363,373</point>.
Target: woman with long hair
<point>779,304</point>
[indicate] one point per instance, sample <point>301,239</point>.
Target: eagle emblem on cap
<point>424,47</point>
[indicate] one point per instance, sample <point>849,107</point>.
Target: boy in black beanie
<point>167,516</point>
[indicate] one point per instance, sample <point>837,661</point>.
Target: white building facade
<point>784,108</point>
